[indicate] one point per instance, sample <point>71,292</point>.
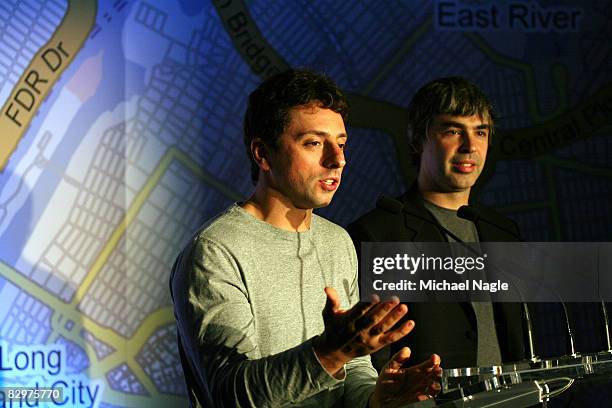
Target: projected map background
<point>129,136</point>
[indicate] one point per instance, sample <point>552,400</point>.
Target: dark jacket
<point>448,329</point>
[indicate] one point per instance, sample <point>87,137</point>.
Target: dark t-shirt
<point>488,353</point>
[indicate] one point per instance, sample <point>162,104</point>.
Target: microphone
<point>472,214</point>
<point>468,213</point>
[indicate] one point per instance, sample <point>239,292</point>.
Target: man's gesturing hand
<point>360,331</point>
<point>398,386</point>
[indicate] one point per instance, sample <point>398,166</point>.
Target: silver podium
<point>523,384</point>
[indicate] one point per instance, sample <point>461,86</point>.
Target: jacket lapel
<point>418,222</point>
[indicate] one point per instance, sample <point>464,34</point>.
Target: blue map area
<point>140,141</point>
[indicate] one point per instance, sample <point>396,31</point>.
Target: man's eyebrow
<point>451,123</point>
<point>318,133</point>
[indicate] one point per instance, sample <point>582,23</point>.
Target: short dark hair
<point>444,96</point>
<point>267,114</point>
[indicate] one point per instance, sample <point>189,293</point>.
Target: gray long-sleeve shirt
<point>248,299</point>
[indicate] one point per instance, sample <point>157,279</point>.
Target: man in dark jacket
<point>449,130</point>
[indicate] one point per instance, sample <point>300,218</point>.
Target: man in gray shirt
<point>248,289</point>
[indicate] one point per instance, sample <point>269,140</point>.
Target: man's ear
<point>260,153</point>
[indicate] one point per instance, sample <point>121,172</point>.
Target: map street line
<point>172,154</point>
<point>125,349</point>
<point>575,124</point>
<point>57,305</point>
<point>398,56</point>
<point>159,318</point>
<point>131,347</point>
<point>115,237</point>
<point>530,82</point>
<point>43,72</point>
<point>366,112</point>
<point>207,177</point>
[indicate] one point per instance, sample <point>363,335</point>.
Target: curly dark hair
<point>269,106</point>
<point>444,96</point>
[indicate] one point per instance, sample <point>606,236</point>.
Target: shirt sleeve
<point>216,327</point>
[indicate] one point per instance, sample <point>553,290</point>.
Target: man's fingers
<point>374,315</point>
<point>433,362</point>
<point>399,358</point>
<point>431,391</point>
<point>395,335</point>
<point>362,308</point>
<point>422,397</point>
<point>332,304</point>
<point>434,388</point>
<point>390,319</point>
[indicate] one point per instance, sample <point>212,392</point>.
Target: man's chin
<point>322,203</point>
<point>321,206</point>
<point>312,204</point>
<point>463,183</point>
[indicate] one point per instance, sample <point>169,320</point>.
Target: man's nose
<point>468,144</point>
<point>334,157</point>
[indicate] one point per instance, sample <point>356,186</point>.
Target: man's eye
<point>312,143</point>
<point>452,132</point>
<point>341,145</point>
<point>482,133</point>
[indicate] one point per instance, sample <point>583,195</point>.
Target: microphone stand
<point>606,324</point>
